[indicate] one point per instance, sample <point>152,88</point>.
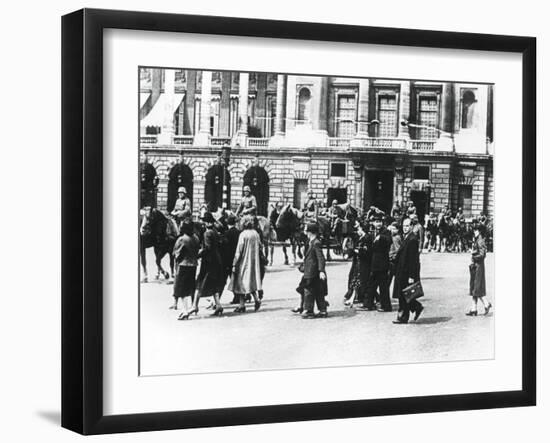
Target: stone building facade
<point>363,140</point>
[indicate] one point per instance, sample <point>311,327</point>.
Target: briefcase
<point>413,291</point>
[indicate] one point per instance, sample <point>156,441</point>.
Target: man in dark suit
<point>313,285</point>
<point>407,271</point>
<point>380,263</point>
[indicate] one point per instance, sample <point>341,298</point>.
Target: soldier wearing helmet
<point>248,204</point>
<point>182,208</point>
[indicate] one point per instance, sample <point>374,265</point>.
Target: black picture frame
<point>82,231</point>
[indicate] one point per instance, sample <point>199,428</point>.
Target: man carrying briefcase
<point>407,272</point>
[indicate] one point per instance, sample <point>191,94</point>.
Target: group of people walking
<point>382,254</point>
<point>235,255</point>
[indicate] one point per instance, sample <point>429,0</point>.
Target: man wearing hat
<point>380,241</point>
<point>310,206</point>
<point>313,286</point>
<point>335,214</point>
<point>248,204</point>
<point>182,208</point>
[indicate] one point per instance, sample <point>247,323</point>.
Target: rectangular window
<point>387,116</point>
<point>465,199</point>
<point>300,192</point>
<point>337,169</point>
<point>428,116</point>
<point>421,172</point>
<point>346,112</point>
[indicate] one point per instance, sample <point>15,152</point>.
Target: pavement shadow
<point>431,320</point>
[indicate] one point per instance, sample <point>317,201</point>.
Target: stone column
<point>445,140</point>
<point>404,109</point>
<point>280,105</point>
<point>189,119</point>
<point>242,133</point>
<point>225,104</point>
<point>203,137</point>
<point>167,131</point>
<point>363,108</point>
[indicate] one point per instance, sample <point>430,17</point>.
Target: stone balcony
<point>340,144</point>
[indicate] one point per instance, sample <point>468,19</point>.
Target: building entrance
<point>378,190</point>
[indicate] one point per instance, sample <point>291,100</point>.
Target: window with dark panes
<point>428,116</point>
<point>465,199</point>
<point>387,116</point>
<point>468,109</point>
<point>421,172</point>
<point>338,170</point>
<point>346,116</point>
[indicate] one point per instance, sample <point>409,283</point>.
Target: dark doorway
<point>148,185</point>
<point>179,175</point>
<point>256,177</point>
<point>213,189</point>
<point>379,190</point>
<point>421,200</point>
<point>339,194</point>
<point>300,192</point>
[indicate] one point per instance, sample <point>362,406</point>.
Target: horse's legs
<point>158,259</point>
<point>327,242</point>
<point>143,264</point>
<point>271,250</point>
<point>286,255</point>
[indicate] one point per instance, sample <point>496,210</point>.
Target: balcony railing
<point>261,142</point>
<point>220,141</point>
<point>384,143</point>
<point>186,140</point>
<point>148,139</point>
<point>422,145</point>
<point>338,142</point>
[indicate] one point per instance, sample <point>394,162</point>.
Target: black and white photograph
<point>303,220</point>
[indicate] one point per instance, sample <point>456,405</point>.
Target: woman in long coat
<point>360,268</point>
<point>246,277</point>
<point>211,279</point>
<point>477,272</point>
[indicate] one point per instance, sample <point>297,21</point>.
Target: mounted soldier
<point>248,204</point>
<point>182,208</point>
<point>310,207</point>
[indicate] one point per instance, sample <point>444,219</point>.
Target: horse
<point>159,232</point>
<point>289,227</point>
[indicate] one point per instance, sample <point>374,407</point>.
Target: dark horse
<point>158,232</point>
<point>289,227</point>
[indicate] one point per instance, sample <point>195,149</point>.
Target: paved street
<point>275,338</point>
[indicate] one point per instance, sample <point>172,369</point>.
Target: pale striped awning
<point>143,97</point>
<point>157,115</point>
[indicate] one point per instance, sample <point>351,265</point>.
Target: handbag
<point>413,291</point>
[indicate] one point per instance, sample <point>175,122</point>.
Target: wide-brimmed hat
<point>246,188</point>
<point>182,189</point>
<point>208,218</point>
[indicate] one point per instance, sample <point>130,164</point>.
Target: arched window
<point>179,175</point>
<point>257,178</point>
<point>468,109</point>
<point>304,106</point>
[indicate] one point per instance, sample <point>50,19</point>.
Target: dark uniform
<point>407,267</point>
<point>380,264</point>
